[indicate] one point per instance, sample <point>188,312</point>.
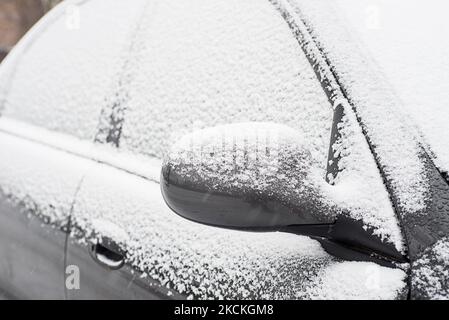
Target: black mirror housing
<point>246,175</point>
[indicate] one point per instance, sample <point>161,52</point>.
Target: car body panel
<point>199,261</point>
<point>99,282</point>
<point>32,264</point>
<point>38,186</point>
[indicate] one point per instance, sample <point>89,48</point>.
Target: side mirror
<point>259,177</point>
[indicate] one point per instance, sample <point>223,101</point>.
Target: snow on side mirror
<point>245,175</point>
<point>260,177</point>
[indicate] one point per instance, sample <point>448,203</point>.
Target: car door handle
<point>108,255</point>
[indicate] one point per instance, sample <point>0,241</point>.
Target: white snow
<point>209,262</point>
<point>377,104</point>
<point>147,167</point>
<point>358,188</point>
<point>344,281</point>
<point>110,230</point>
<point>409,44</point>
<point>431,271</point>
<point>43,179</point>
<point>205,63</point>
<point>58,76</point>
<point>254,71</point>
<point>263,157</point>
<point>195,64</point>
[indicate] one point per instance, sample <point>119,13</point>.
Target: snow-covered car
<point>307,129</point>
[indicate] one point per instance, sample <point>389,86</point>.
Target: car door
<point>32,255</point>
<point>98,247</point>
<point>127,244</point>
<point>37,189</point>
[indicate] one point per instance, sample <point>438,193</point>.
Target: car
<point>222,150</point>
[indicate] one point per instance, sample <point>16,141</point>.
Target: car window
<point>195,65</point>
<point>61,72</point>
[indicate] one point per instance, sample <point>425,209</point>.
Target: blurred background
<point>16,17</point>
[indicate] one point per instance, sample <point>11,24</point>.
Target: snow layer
<point>343,281</point>
<point>136,164</point>
<point>408,41</point>
<point>377,105</point>
<point>204,63</point>
<point>252,158</point>
<point>40,178</point>
<point>260,154</point>
<point>254,71</point>
<point>207,262</point>
<point>59,75</point>
<point>194,259</point>
<point>358,188</point>
<point>192,65</point>
<point>431,271</point>
<point>274,160</point>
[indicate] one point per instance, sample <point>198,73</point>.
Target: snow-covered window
<point>61,73</point>
<point>141,73</point>
<point>201,63</point>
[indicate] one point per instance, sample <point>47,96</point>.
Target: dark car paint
<point>32,255</point>
<point>99,282</point>
<point>33,264</point>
